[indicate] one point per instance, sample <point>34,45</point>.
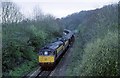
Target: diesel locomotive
<point>49,54</point>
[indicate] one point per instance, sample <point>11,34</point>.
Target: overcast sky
<point>61,8</point>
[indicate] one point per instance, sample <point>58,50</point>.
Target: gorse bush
<point>101,57</point>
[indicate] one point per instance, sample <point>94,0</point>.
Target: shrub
<point>101,57</point>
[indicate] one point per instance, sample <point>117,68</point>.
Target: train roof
<point>52,46</point>
<point>66,31</point>
<point>55,44</point>
<point>67,36</point>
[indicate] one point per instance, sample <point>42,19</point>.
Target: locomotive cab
<point>46,58</point>
<point>49,54</point>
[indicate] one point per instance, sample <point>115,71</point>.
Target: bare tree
<point>37,13</point>
<point>10,13</point>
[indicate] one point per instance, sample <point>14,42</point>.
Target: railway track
<point>45,73</point>
<point>39,73</point>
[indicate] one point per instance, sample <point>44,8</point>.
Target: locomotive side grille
<point>60,48</point>
<point>66,42</point>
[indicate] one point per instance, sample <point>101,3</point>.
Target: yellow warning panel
<point>46,59</point>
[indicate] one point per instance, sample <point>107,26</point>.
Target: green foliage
<point>101,57</point>
<point>37,37</point>
<point>75,61</point>
<point>96,51</point>
<point>26,67</point>
<point>22,39</point>
<point>92,18</point>
<point>21,43</point>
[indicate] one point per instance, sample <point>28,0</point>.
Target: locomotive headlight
<point>45,53</point>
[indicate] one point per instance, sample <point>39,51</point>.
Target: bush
<point>21,70</point>
<point>21,42</point>
<point>101,57</point>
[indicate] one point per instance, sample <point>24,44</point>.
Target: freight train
<point>49,54</point>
